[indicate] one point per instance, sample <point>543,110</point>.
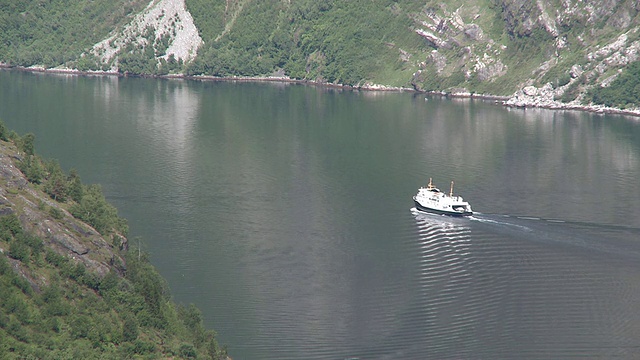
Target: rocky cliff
<point>542,52</point>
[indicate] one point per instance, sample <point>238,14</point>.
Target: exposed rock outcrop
<point>551,51</point>
<point>66,236</point>
<point>532,97</point>
<point>461,47</point>
<point>165,25</point>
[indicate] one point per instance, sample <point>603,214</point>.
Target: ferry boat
<point>431,199</point>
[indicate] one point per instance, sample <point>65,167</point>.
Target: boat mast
<point>451,191</point>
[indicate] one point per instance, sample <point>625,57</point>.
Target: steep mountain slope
<point>56,32</point>
<point>69,286</point>
<point>565,47</point>
<point>541,50</point>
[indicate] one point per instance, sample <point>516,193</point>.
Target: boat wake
<point>602,238</point>
<point>512,274</point>
<point>478,217</point>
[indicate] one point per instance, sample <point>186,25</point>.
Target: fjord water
<point>284,213</point>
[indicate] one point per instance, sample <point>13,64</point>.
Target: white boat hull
<point>434,210</point>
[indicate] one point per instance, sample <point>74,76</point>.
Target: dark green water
<point>284,212</point>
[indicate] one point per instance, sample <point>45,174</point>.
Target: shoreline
<point>275,79</point>
<point>596,109</point>
<point>514,101</point>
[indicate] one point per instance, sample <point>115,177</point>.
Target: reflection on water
<point>281,211</point>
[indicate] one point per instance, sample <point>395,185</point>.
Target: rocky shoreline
<point>528,97</point>
<point>278,79</point>
<point>544,97</point>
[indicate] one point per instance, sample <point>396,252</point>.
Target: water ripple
<point>483,294</point>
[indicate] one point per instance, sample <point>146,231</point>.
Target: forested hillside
<point>53,33</point>
<point>70,285</point>
<point>549,50</point>
<point>345,42</point>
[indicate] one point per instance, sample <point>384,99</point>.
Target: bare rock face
<point>433,39</point>
<point>523,16</point>
<point>520,16</point>
<point>11,176</point>
<point>486,72</point>
<point>530,91</point>
<point>168,19</point>
<point>460,46</point>
<point>576,71</point>
<point>439,60</point>
<point>473,32</point>
<point>531,96</point>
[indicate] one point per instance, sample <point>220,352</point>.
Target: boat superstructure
<point>431,199</point>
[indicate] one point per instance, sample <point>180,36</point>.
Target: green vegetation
<point>78,315</point>
<point>87,203</point>
<point>140,60</point>
<point>487,46</point>
<point>623,92</point>
<point>344,42</point>
<point>53,307</point>
<point>56,32</point>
